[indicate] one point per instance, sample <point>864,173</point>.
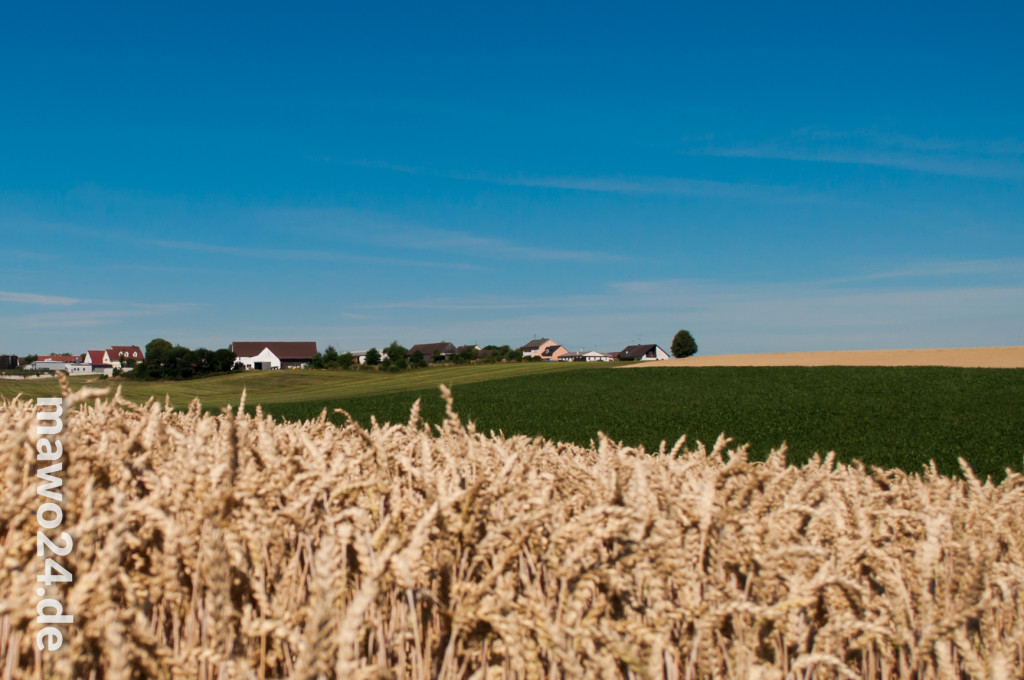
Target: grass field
<point>890,417</point>
<point>266,387</point>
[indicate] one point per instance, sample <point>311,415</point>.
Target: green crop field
<point>890,417</point>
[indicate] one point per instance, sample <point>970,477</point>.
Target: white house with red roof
<point>117,355</point>
<point>96,357</point>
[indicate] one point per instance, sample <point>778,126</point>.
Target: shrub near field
<point>230,546</point>
<point>890,417</point>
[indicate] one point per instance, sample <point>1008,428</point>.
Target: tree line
<point>396,357</point>
<point>165,361</point>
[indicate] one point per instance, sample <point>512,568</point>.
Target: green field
<point>890,417</point>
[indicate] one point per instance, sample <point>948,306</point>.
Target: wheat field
<point>233,546</point>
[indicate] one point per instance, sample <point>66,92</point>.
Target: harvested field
<point>973,357</point>
<point>232,546</point>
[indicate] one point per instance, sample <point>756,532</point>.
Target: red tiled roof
<point>117,352</point>
<point>69,358</point>
<point>95,356</point>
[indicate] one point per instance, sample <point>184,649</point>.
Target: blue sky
<point>770,177</point>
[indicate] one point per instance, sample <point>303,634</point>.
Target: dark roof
<point>459,349</point>
<point>635,351</point>
<point>286,351</point>
<point>429,348</point>
<point>548,351</point>
<point>126,352</point>
<point>535,344</point>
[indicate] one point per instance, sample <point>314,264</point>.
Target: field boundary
<point>961,357</point>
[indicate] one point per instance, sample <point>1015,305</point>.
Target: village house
<point>553,353</point>
<point>443,351</point>
<point>585,356</point>
<point>120,356</point>
<point>95,357</point>
<point>643,353</point>
<point>535,348</point>
<point>265,356</point>
<point>93,363</point>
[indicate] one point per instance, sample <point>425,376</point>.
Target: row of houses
<point>277,355</point>
<point>274,355</point>
<point>548,349</point>
<point>102,361</point>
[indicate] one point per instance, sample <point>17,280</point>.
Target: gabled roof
<point>429,348</point>
<point>285,351</point>
<point>635,351</point>
<point>550,349</point>
<point>126,352</point>
<point>95,356</point>
<point>535,344</point>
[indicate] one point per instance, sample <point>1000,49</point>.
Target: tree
<point>372,357</point>
<point>158,350</point>
<point>224,360</point>
<point>330,357</point>
<point>416,360</point>
<point>683,345</point>
<point>396,352</point>
<point>346,360</point>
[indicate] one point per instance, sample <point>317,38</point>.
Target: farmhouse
<point>535,348</point>
<point>643,353</point>
<point>444,350</point>
<point>273,355</point>
<point>584,356</point>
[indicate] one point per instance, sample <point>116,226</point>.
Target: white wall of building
<point>263,357</point>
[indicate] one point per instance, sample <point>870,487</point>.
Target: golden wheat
<point>233,546</point>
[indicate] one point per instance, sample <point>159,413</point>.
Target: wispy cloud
<point>999,159</point>
<point>428,238</point>
<point>641,185</point>
<point>387,231</point>
<point>950,268</point>
<point>36,299</point>
<point>311,255</point>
